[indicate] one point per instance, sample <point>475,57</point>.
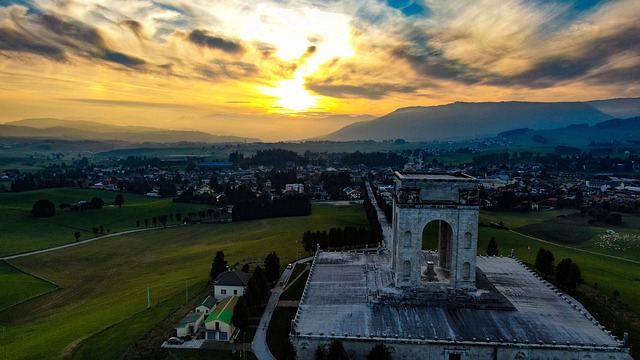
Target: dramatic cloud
<point>301,57</point>
<point>201,38</point>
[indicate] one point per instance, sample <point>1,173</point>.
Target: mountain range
<point>48,128</point>
<point>463,120</point>
<point>455,121</point>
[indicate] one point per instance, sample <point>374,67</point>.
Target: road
<point>387,233</point>
<point>259,344</point>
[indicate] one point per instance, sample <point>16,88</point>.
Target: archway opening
<point>437,241</point>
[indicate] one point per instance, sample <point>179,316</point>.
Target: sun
<point>292,95</point>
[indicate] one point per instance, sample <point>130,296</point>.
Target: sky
<point>297,69</point>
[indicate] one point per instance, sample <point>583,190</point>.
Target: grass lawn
<point>104,283</point>
<point>22,232</point>
<point>16,286</point>
<point>279,328</point>
<point>295,290</point>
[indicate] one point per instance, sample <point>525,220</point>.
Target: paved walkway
<point>387,234</point>
<point>259,344</point>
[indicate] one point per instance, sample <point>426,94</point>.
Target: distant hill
<point>90,130</point>
<point>603,133</point>
<point>463,120</point>
<point>618,108</point>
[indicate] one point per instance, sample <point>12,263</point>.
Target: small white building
<point>218,324</point>
<point>189,324</point>
<point>230,283</point>
<point>207,305</point>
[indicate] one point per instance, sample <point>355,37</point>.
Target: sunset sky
<point>283,69</point>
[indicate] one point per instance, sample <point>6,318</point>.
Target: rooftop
<point>190,318</point>
<point>433,176</point>
<point>351,295</point>
<point>232,278</point>
<point>224,310</point>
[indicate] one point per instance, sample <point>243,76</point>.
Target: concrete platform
<point>352,296</point>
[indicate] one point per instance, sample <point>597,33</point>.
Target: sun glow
<point>292,95</point>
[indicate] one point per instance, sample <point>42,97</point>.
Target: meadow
<point>101,307</point>
<point>23,232</point>
<point>612,267</point>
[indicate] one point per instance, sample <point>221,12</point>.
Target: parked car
<point>175,341</point>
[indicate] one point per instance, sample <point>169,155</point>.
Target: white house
<point>207,305</point>
<point>189,324</point>
<point>230,283</point>
<point>218,323</point>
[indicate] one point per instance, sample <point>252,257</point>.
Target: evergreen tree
<point>272,267</point>
<point>261,280</point>
<point>320,353</point>
<point>568,273</point>
<point>287,352</point>
<point>337,351</point>
<point>492,247</point>
<point>119,200</point>
<point>218,266</point>
<point>252,293</point>
<point>544,261</point>
<point>379,352</point>
<point>240,317</point>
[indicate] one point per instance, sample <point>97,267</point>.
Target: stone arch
<point>445,202</point>
<point>442,234</point>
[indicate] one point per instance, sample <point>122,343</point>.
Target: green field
<point>16,286</point>
<point>611,267</point>
<point>104,283</point>
<point>22,232</point>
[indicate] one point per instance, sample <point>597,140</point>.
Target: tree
<point>320,353</point>
<point>218,266</point>
<point>272,267</point>
<point>337,351</point>
<point>163,220</point>
<point>492,247</point>
<point>544,261</point>
<point>95,230</point>
<point>287,352</point>
<point>43,208</point>
<point>77,235</point>
<point>119,200</point>
<point>240,317</point>
<point>96,203</point>
<point>261,280</point>
<point>568,273</point>
<point>252,293</point>
<point>379,352</point>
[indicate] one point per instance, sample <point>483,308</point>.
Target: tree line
<point>334,351</point>
<point>567,273</point>
<point>260,208</point>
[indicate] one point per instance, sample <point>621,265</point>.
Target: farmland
<point>101,307</point>
<point>22,232</point>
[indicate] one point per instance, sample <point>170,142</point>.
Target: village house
<point>218,324</point>
<point>228,283</point>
